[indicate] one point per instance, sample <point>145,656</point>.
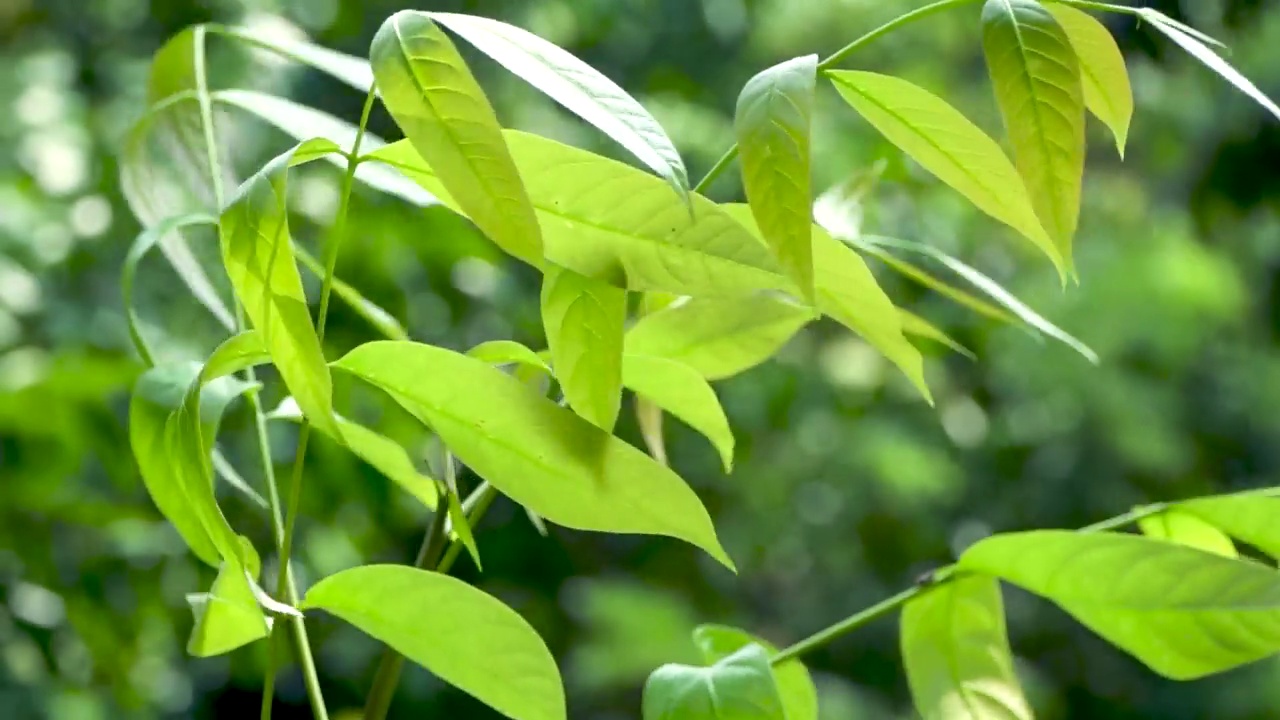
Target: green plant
<point>721,286</point>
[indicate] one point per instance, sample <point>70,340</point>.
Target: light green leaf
<point>773,123</point>
<point>1036,76</point>
<point>1107,92</point>
<point>460,527</point>
<point>146,240</point>
<point>507,352</point>
<point>577,86</point>
<point>795,687</point>
<point>956,652</point>
<point>947,144</point>
<point>584,320</point>
<point>540,454</point>
<point>739,687</point>
<point>923,277</point>
<point>258,254</point>
<point>1187,529</point>
<point>681,391</point>
<point>351,70</point>
<point>719,337</point>
<point>228,616</point>
<point>381,320</point>
<point>1184,613</point>
<point>427,88</point>
<point>913,324</point>
<point>1250,517</point>
<point>463,636</point>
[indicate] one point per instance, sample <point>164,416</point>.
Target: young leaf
<point>947,144</point>
<point>1107,92</point>
<point>1036,76</point>
<point>681,391</point>
<point>580,88</point>
<point>258,254</point>
<point>228,616</point>
<point>1250,517</point>
<point>795,687</point>
<point>773,122</point>
<point>719,337</point>
<point>1186,529</point>
<point>427,88</point>
<point>1184,613</point>
<point>539,454</point>
<point>507,352</point>
<point>584,320</point>
<point>349,69</point>
<point>956,653</point>
<point>463,636</point>
<point>913,324</point>
<point>461,527</point>
<point>739,687</point>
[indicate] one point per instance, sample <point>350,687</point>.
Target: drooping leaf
<point>427,88</point>
<point>923,277</point>
<point>956,652</point>
<point>1187,529</point>
<point>351,70</point>
<point>584,320</point>
<point>228,616</point>
<point>577,86</point>
<point>463,636</point>
<point>1036,76</point>
<point>381,320</point>
<point>146,240</point>
<point>773,122</point>
<point>541,455</point>
<point>795,686</point>
<point>1183,612</point>
<point>507,352</point>
<point>719,337</point>
<point>681,391</point>
<point>739,687</point>
<point>1250,517</point>
<point>917,326</point>
<point>947,144</point>
<point>1107,92</point>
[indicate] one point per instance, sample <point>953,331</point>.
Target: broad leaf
<point>463,636</point>
<point>773,123</point>
<point>739,687</point>
<point>795,687</point>
<point>1184,613</point>
<point>1036,76</point>
<point>956,653</point>
<point>681,391</point>
<point>541,455</point>
<point>351,70</point>
<point>947,144</point>
<point>917,326</point>
<point>577,86</point>
<point>584,320</point>
<point>719,337</point>
<point>1250,517</point>
<point>427,88</point>
<point>1187,529</point>
<point>384,322</point>
<point>1107,92</point>
<point>228,616</point>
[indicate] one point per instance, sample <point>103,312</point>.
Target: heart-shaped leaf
<point>739,687</point>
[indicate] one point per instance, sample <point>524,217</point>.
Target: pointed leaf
<point>577,86</point>
<point>681,391</point>
<point>228,616</point>
<point>1186,529</point>
<point>1107,92</point>
<point>427,88</point>
<point>651,421</point>
<point>584,320</point>
<point>917,326</point>
<point>795,686</point>
<point>739,687</point>
<point>507,352</point>
<point>773,123</point>
<point>957,656</point>
<point>1184,613</point>
<point>460,527</point>
<point>540,454</point>
<point>1250,517</point>
<point>463,636</point>
<point>921,276</point>
<point>947,144</point>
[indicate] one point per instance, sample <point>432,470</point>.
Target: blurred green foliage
<point>847,486</point>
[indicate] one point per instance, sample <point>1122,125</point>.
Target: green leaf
<point>795,687</point>
<point>461,527</point>
<point>650,420</point>
<point>1107,92</point>
<point>739,687</point>
<point>1036,76</point>
<point>258,254</point>
<point>427,88</point>
<point>463,636</point>
<point>577,86</point>
<point>146,240</point>
<point>1186,529</point>
<point>1250,517</point>
<point>381,320</point>
<point>228,616</point>
<point>351,70</point>
<point>681,391</point>
<point>957,656</point>
<point>507,352</point>
<point>913,324</point>
<point>924,278</point>
<point>539,454</point>
<point>1184,613</point>
<point>719,337</point>
<point>584,320</point>
<point>773,123</point>
<point>947,144</point>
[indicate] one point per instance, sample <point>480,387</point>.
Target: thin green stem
<point>206,116</point>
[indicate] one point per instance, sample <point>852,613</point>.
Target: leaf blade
<point>584,320</point>
<point>795,686</point>
<point>1107,91</point>
<point>739,687</point>
<point>681,391</point>
<point>1188,529</point>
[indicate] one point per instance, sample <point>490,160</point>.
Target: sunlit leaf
<point>1187,529</point>
<point>1036,76</point>
<point>683,392</point>
<point>541,455</point>
<point>1107,92</point>
<point>507,352</point>
<point>739,687</point>
<point>773,122</point>
<point>584,320</point>
<point>917,326</point>
<point>1250,517</point>
<point>228,616</point>
<point>1183,612</point>
<point>957,656</point>
<point>577,86</point>
<point>463,636</point>
<point>461,527</point>
<point>795,686</point>
<point>427,88</point>
<point>923,277</point>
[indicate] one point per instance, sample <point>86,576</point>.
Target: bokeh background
<point>847,485</point>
